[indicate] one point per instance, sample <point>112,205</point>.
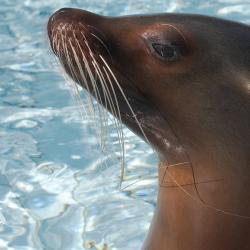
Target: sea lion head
<point>173,69</point>
<point>181,82</point>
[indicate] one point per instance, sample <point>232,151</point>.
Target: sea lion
<point>182,83</point>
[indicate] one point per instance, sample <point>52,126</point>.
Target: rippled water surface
<point>57,188</point>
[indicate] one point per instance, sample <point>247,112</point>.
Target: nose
<point>71,14</point>
<point>60,14</point>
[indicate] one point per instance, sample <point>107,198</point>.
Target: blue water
<point>57,188</point>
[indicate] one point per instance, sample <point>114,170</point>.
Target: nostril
<point>59,14</point>
<point>62,10</point>
<point>73,17</point>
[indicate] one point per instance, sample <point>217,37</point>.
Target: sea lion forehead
<point>184,20</point>
<point>167,31</point>
<point>196,27</point>
<point>157,27</point>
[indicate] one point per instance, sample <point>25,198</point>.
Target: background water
<point>57,191</point>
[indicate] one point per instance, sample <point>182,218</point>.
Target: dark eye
<point>169,52</point>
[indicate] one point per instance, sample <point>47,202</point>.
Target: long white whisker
<point>92,80</point>
<point>125,98</point>
<point>83,77</point>
<point>105,46</point>
<point>118,125</point>
<point>73,84</point>
<point>108,94</point>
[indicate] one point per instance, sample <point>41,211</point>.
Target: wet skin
<point>187,79</point>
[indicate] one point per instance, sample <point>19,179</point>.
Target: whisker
<point>125,98</point>
<point>110,99</point>
<point>73,84</point>
<point>104,45</point>
<point>95,89</point>
<point>83,77</point>
<point>117,123</point>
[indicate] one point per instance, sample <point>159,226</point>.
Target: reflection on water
<point>57,189</point>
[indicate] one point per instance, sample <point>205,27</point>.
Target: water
<point>57,191</point>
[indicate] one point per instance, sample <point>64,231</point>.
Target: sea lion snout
<point>68,18</point>
<point>59,15</point>
<point>71,14</point>
<point>76,38</point>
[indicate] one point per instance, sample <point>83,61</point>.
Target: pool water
<point>58,190</point>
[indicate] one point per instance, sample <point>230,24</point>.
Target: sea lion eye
<point>169,52</point>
